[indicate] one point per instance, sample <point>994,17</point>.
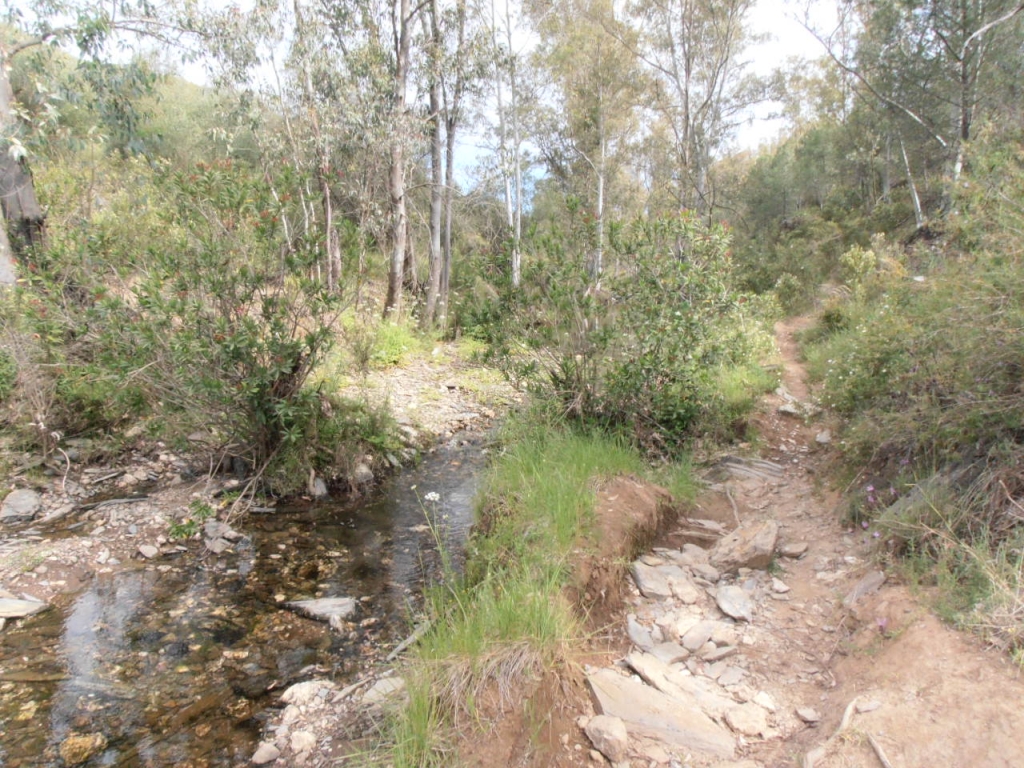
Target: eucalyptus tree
<point>936,68</point>
<point>694,48</point>
<point>96,29</point>
<point>594,110</point>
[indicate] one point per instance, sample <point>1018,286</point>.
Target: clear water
<point>179,667</point>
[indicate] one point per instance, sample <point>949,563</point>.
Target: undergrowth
<point>928,372</point>
<point>506,618</point>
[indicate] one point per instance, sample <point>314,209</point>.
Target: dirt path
<point>840,664</point>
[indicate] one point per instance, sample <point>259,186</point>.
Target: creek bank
<point>99,551</point>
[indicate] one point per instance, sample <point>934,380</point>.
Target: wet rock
<point>608,734</point>
<point>362,474</point>
<point>308,693</point>
<point>653,714</point>
<point>735,603</point>
<point>329,609</point>
<point>794,550</point>
<point>265,753</point>
<point>20,505</point>
<point>318,488</point>
<point>218,546</point>
<point>79,747</point>
<point>868,584</point>
<point>148,551</point>
<point>13,608</point>
<point>748,719</point>
<point>747,547</point>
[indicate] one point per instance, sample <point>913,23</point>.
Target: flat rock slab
<point>19,505</point>
<point>735,602</point>
<point>651,713</point>
<point>868,584</point>
<point>12,608</point>
<point>324,609</point>
<point>748,547</point>
<point>660,581</point>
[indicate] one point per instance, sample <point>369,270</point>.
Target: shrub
<point>639,354</point>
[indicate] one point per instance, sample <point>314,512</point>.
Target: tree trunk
<point>918,211</point>
<point>23,216</point>
<point>436,170</point>
<point>400,24</point>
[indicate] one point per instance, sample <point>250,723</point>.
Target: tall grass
<point>507,618</point>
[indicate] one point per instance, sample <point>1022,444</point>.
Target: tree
<point>937,67</point>
<point>693,48</point>
<point>95,24</point>
<point>595,115</point>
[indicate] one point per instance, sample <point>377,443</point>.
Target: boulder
<point>749,546</point>
<point>655,715</point>
<point>22,504</point>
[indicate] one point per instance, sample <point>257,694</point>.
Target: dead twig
<point>879,752</point>
<point>818,753</point>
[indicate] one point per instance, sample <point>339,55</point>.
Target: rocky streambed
<point>162,652</point>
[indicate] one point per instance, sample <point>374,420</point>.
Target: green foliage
<point>929,373</point>
<point>199,512</point>
<point>508,618</point>
<point>8,374</point>
<point>639,354</point>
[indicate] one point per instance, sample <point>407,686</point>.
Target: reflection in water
<point>175,664</point>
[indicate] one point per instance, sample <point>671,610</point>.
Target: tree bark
<point>23,216</point>
<point>400,24</point>
<point>436,170</point>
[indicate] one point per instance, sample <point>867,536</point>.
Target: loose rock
<point>79,747</point>
<point>20,505</point>
<point>809,715</point>
<point>735,602</point>
<point>265,753</point>
<point>746,547</point>
<point>794,550</point>
<point>608,734</point>
<point>748,719</point>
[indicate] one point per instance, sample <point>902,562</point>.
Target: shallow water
<point>177,663</point>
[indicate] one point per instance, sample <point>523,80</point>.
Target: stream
<point>178,664</point>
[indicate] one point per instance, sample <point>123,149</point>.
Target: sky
<point>787,39</point>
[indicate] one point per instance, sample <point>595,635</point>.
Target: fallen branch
<point>879,753</point>
<point>111,502</point>
<point>818,753</point>
<point>416,635</point>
